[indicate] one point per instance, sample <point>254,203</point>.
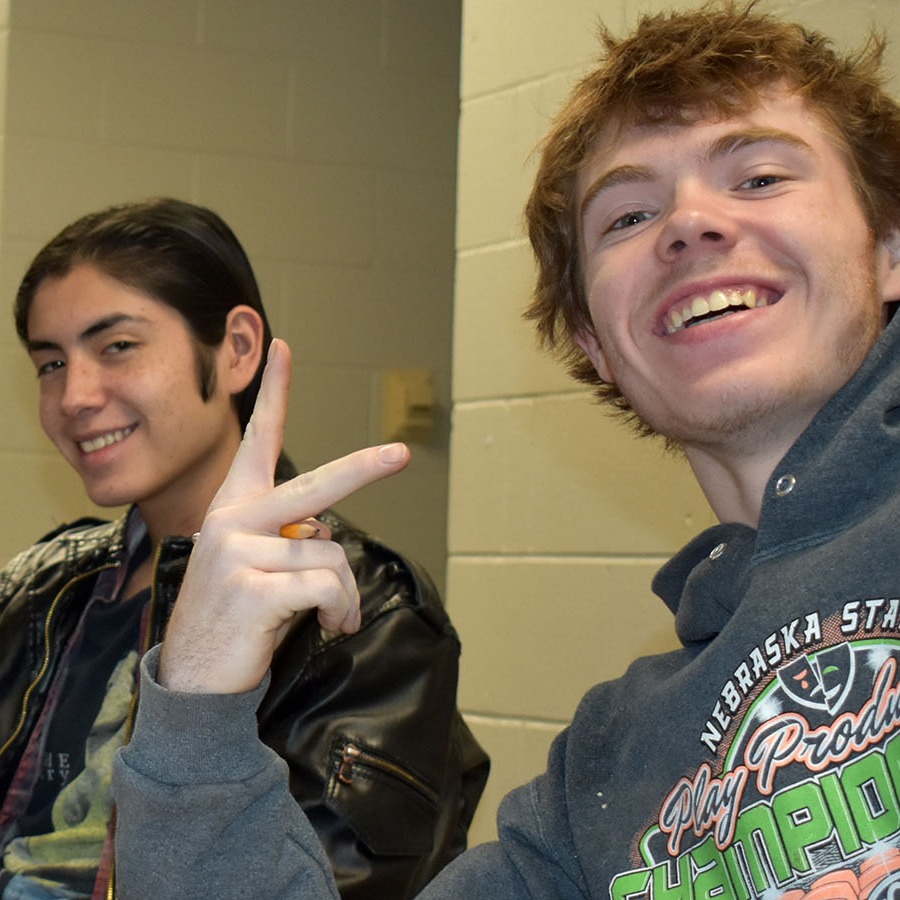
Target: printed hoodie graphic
<point>802,801</point>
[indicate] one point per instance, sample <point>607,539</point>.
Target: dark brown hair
<point>176,252</point>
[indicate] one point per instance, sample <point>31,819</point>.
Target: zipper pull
<point>349,755</point>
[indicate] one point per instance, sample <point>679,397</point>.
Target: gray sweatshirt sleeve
<point>204,811</point>
<point>203,806</point>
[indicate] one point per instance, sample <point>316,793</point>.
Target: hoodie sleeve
<point>204,810</point>
<point>203,806</point>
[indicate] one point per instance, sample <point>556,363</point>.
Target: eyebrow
<point>722,146</point>
<point>748,137</point>
<point>95,328</point>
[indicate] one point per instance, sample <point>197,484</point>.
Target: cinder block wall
<point>558,517</point>
<point>324,132</point>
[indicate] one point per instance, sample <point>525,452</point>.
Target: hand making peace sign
<point>245,582</point>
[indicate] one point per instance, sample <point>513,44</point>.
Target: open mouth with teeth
<point>105,440</point>
<point>718,303</point>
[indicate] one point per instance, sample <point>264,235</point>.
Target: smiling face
<point>120,398</point>
<point>732,281</point>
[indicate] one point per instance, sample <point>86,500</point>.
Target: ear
<point>587,340</point>
<point>241,349</point>
<point>890,267</point>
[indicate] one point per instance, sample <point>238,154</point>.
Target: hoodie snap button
<point>785,485</point>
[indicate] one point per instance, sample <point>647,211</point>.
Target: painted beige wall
<point>324,131</point>
<point>558,517</point>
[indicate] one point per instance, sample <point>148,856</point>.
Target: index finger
<point>308,494</point>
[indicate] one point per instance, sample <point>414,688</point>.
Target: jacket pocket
<point>392,809</point>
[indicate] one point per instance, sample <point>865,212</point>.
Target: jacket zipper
<point>354,757</point>
<point>149,631</point>
<point>23,714</point>
<point>129,728</point>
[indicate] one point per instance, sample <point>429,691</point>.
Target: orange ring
<point>299,530</point>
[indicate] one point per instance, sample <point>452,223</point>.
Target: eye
<point>48,367</point>
<point>629,220</point>
<point>760,181</point>
<point>120,346</point>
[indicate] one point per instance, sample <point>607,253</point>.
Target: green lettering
<point>738,882</point>
<point>871,797</point>
<point>629,884</point>
<point>803,820</point>
<point>712,879</point>
<point>759,822</point>
<point>892,761</point>
<point>677,887</point>
<point>840,813</point>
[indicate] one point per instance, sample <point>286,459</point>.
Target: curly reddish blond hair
<point>678,67</point>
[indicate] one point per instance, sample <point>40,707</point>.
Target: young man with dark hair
<point>715,218</point>
<point>148,334</point>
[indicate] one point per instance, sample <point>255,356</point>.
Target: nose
<point>83,388</point>
<point>697,223</point>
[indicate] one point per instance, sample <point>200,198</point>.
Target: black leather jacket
<point>379,757</point>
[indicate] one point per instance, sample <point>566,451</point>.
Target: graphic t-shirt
<point>110,632</point>
<point>59,809</point>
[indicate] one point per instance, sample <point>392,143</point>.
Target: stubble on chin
<point>750,415</point>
